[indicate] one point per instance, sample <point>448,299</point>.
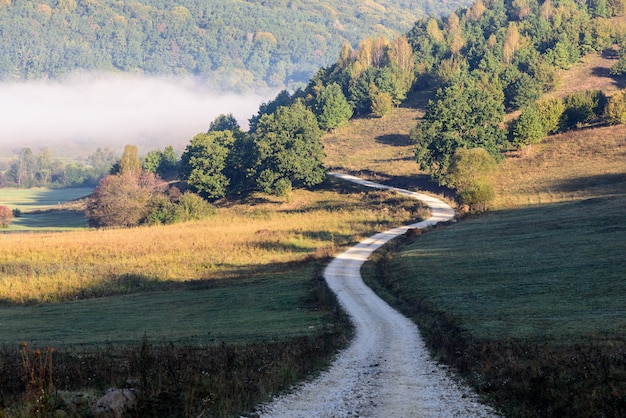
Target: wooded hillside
<point>238,45</point>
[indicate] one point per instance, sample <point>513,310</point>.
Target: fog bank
<point>87,112</point>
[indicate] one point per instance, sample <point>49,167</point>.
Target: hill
<point>525,300</point>
<point>237,45</point>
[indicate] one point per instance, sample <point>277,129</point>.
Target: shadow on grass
<point>396,140</point>
<point>614,183</point>
<point>618,81</point>
<point>51,219</point>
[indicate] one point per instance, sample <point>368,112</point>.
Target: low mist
<point>81,113</point>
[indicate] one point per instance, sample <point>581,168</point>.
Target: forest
<point>235,45</point>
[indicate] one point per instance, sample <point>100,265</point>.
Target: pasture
<point>45,209</point>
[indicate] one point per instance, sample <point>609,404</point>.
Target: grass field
<point>45,209</point>
<point>270,307</point>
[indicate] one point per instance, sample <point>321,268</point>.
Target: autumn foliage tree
<point>6,216</point>
<point>123,199</point>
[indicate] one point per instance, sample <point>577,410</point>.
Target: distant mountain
<point>238,44</point>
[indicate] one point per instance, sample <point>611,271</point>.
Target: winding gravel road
<point>386,371</point>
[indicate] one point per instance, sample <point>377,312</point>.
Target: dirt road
<point>386,371</point>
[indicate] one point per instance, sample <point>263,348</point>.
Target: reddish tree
<point>122,199</point>
<point>6,216</point>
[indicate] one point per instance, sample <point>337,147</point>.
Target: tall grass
<point>242,240</point>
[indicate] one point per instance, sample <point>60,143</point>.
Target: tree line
<point>238,45</point>
<point>40,169</point>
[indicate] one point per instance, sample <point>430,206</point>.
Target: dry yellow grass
<point>563,167</point>
<point>240,241</point>
<point>376,145</point>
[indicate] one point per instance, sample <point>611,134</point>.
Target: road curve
<point>386,371</point>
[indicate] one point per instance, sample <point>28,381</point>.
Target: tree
<point>123,199</point>
<point>102,160</point>
<point>522,91</point>
<point>204,161</point>
<point>288,149</point>
<point>382,102</point>
<point>550,112</point>
<point>461,116</point>
<point>6,216</point>
<point>23,169</point>
<point>129,162</point>
<point>616,108</point>
<point>332,107</point>
<point>470,172</point>
<point>224,123</point>
<point>528,129</point>
<point>164,163</point>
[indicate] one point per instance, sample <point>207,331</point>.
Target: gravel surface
<point>386,371</point>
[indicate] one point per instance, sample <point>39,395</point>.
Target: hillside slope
<point>236,44</point>
<point>526,300</point>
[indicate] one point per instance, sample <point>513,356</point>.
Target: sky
<point>90,111</point>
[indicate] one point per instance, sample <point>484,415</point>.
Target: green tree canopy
<point>225,123</point>
<point>203,162</point>
<point>288,148</point>
<point>528,129</point>
<point>332,107</point>
<point>461,116</point>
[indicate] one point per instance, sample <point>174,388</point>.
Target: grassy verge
<point>527,300</point>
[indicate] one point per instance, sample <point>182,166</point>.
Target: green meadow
<point>43,209</point>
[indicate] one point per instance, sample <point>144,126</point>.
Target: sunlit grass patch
<point>241,240</point>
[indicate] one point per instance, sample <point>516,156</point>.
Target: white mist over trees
<point>92,111</point>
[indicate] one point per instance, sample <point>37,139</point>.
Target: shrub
<point>6,216</point>
<point>382,103</point>
<point>582,107</point>
<point>478,195</point>
<point>160,210</point>
<point>469,173</point>
<point>550,112</point>
<point>123,199</point>
<point>528,129</point>
<point>190,206</point>
<point>616,108</point>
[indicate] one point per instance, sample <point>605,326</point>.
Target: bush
<point>6,216</point>
<point>469,173</point>
<point>528,129</point>
<point>478,195</point>
<point>550,112</point>
<point>616,108</point>
<point>190,206</point>
<point>582,107</point>
<point>123,199</point>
